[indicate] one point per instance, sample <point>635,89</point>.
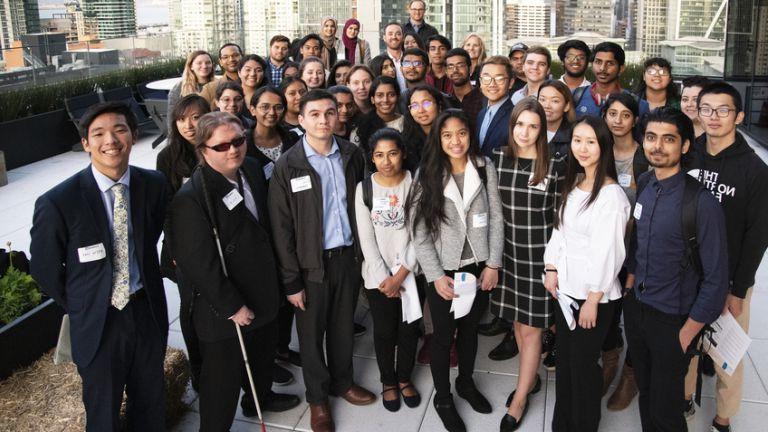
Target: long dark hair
<point>426,202</point>
<point>606,166</point>
<point>413,134</point>
<point>541,164</point>
<point>182,152</point>
<point>371,122</point>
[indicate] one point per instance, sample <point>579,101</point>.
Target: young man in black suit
<point>94,251</point>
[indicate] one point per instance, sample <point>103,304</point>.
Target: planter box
<point>37,137</point>
<point>29,336</point>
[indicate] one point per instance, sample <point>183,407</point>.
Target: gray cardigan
<point>476,217</point>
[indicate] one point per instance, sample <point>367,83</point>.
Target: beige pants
<point>728,387</point>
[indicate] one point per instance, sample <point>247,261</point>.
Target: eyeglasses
<point>414,63</point>
<point>498,79</point>
<point>424,104</point>
<point>657,71</point>
<point>722,112</point>
<point>267,108</point>
<point>456,66</point>
<point>237,142</point>
<point>575,58</point>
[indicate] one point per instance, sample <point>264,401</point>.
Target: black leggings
<point>444,328</point>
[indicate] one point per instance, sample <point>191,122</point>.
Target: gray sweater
<point>474,215</point>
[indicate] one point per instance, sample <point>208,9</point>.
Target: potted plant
<point>29,327</point>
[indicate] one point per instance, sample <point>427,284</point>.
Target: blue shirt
<point>275,73</point>
<point>337,231</point>
<point>657,255</point>
<point>490,112</point>
<point>108,196</point>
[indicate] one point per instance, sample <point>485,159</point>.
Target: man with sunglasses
<point>574,54</point>
<point>727,166</point>
<point>312,209</point>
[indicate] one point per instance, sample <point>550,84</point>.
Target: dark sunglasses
<point>237,142</point>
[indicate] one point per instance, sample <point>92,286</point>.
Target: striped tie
<point>120,273</point>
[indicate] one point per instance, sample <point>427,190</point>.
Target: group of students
<point>290,188</point>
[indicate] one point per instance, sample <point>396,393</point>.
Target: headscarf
<point>350,45</point>
<point>328,53</point>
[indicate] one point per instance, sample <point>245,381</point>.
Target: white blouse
<point>588,248</point>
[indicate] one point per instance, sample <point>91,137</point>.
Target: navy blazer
<point>498,131</point>
<point>72,216</point>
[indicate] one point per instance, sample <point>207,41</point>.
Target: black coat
<point>209,295</point>
<point>559,144</point>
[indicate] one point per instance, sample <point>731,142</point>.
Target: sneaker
<point>550,360</point>
<point>360,329</point>
<point>690,409</point>
<point>719,428</point>
<point>281,376</point>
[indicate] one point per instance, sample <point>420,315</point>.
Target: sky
<point>147,11</point>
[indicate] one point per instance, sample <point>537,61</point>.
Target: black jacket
<point>738,178</point>
<point>558,145</point>
<point>298,217</point>
<point>209,295</point>
<point>287,137</point>
<point>425,30</point>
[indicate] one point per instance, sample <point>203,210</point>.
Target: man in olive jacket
<point>311,203</point>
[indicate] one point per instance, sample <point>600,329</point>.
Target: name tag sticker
<point>480,220</point>
<point>625,180</point>
<point>638,211</point>
<point>301,184</point>
<point>268,168</point>
<point>91,253</point>
<point>232,199</point>
<point>541,186</point>
<point>381,204</point>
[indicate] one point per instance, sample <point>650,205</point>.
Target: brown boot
<point>625,391</point>
<point>610,367</point>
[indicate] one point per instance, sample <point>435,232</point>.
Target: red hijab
<point>349,44</point>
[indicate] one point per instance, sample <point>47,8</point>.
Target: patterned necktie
<point>120,273</point>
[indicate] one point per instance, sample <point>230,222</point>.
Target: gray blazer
<point>476,217</point>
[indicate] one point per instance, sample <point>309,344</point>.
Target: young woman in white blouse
<point>582,261</point>
<point>389,260</point>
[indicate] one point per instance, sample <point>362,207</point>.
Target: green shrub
<point>41,99</point>
<point>18,293</point>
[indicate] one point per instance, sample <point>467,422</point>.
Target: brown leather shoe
<point>625,391</point>
<point>357,395</point>
<point>610,367</point>
<point>320,418</point>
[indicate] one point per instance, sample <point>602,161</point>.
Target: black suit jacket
<point>207,294</point>
<point>71,216</point>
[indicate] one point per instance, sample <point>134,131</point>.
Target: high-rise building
<point>593,16</point>
<point>312,11</point>
<point>17,18</point>
<point>116,18</point>
<point>72,22</point>
<point>651,26</point>
<point>205,24</point>
<point>456,19</point>
<point>264,19</point>
<point>527,19</point>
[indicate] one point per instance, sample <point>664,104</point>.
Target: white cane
<point>237,326</point>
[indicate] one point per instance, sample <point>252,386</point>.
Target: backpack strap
<point>639,163</point>
<point>690,208</point>
<point>578,94</point>
<point>368,192</point>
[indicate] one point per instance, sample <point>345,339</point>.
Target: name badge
<point>301,184</point>
<point>91,253</point>
<point>268,168</point>
<point>625,180</point>
<point>381,204</point>
<point>638,211</point>
<point>480,220</point>
<point>232,199</point>
<point>541,186</point>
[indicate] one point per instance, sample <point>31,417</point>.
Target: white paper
<point>91,253</point>
<point>729,343</point>
<point>638,211</point>
<point>465,286</point>
<point>232,199</point>
<point>301,184</point>
<point>409,298</point>
<point>625,180</point>
<point>567,306</point>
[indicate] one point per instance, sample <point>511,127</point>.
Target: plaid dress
<point>529,214</point>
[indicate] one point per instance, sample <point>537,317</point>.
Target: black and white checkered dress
<point>529,215</point>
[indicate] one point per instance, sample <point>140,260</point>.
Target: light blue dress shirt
<point>489,113</point>
<point>105,186</point>
<point>337,231</point>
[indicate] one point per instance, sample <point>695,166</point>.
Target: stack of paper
<point>409,298</point>
<point>465,287</point>
<point>728,344</point>
<point>567,306</point>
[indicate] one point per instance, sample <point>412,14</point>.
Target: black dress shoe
<point>281,376</point>
<point>360,329</point>
<point>451,419</point>
<point>505,350</point>
<point>550,361</point>
<point>291,357</point>
<point>274,402</point>
<point>509,423</point>
<point>497,326</point>
<point>411,401</point>
<point>536,388</point>
<point>470,393</point>
<point>391,405</point>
